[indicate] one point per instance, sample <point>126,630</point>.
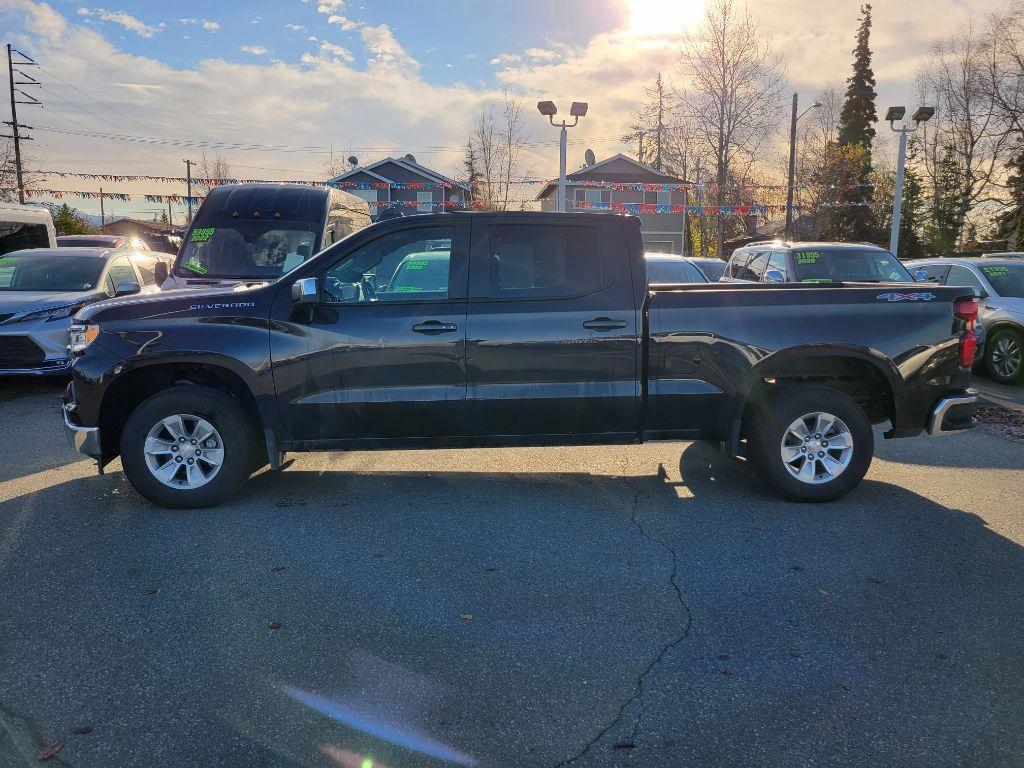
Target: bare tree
<point>734,88</point>
<point>512,138</point>
<point>496,143</point>
<point>966,142</point>
<point>211,168</point>
<point>484,140</point>
<point>9,174</point>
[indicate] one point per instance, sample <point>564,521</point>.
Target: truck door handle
<point>434,326</point>
<point>604,324</point>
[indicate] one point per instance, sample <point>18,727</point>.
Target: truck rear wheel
<point>188,447</point>
<point>812,443</point>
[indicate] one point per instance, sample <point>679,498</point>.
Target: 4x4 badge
<point>905,296</point>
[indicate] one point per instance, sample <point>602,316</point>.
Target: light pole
<point>921,115</point>
<point>792,162</point>
<point>576,111</point>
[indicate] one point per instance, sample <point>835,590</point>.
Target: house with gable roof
<point>661,232</point>
<point>405,170</point>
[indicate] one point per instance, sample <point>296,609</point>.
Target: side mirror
<point>774,276</point>
<point>126,289</point>
<point>160,272</point>
<point>304,291</point>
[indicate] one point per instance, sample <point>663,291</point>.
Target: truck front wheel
<point>811,443</point>
<point>188,447</point>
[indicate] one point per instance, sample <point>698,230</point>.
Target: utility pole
<point>792,169</point>
<point>188,174</point>
<point>103,216</point>
<point>170,217</point>
<point>15,125</point>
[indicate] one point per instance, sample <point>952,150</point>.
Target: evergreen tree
<point>942,230</point>
<point>854,219</point>
<point>912,210</point>
<point>67,221</point>
<point>469,165</point>
<point>163,218</point>
<point>1011,222</point>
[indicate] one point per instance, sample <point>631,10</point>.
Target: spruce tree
<point>1011,221</point>
<point>942,230</point>
<point>472,174</point>
<point>912,210</point>
<point>855,220</point>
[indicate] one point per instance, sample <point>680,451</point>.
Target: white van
<point>25,226</point>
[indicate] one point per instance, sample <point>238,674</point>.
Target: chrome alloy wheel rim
<point>184,451</point>
<point>1006,356</point>
<point>816,448</point>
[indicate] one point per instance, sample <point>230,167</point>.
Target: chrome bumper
<point>83,439</point>
<point>966,401</point>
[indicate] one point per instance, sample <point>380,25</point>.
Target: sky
<point>310,79</point>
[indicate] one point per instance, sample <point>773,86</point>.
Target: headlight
<point>53,313</point>
<point>81,336</point>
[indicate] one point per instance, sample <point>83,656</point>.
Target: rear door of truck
<point>553,329</point>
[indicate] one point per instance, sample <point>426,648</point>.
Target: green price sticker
<point>808,257</point>
<point>406,289</point>
<point>989,271</point>
<point>816,280</point>
<point>416,265</point>
<point>202,234</point>
<point>10,261</point>
<point>191,266</point>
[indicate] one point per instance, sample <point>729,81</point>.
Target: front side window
<point>777,261</point>
<point>963,276</point>
<point>412,265</point>
<point>246,249</point>
<point>543,262</point>
<point>120,272</point>
<point>1006,279</point>
<point>146,269</point>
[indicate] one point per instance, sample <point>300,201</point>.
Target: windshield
<point>88,242</point>
<point>713,270</point>
<point>1007,279</point>
<point>675,271</point>
<point>49,273</point>
<point>848,265</point>
<point>246,249</point>
<point>418,273</point>
<point>14,236</point>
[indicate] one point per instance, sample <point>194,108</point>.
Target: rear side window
<point>14,236</point>
<point>962,276</point>
<point>738,263</point>
<point>543,262</point>
<point>145,267</point>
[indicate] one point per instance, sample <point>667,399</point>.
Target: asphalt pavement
<point>610,606</point>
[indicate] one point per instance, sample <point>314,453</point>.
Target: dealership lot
<point>506,607</point>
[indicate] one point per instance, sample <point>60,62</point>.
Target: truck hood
<point>167,303</point>
<point>12,302</point>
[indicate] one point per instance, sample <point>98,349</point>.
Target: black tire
<point>771,424</point>
<point>1014,342</point>
<point>220,409</point>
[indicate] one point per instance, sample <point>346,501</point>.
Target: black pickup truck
<point>480,329</point>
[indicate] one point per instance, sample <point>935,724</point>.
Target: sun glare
<point>652,17</point>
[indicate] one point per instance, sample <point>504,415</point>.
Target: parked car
<point>713,269</point>
<point>668,268</point>
<point>781,262</point>
<point>25,226</point>
<point>252,233</point>
<point>40,289</point>
<point>999,286</point>
<point>1004,255</point>
<point>102,241</point>
<point>545,334</point>
<point>162,243</point>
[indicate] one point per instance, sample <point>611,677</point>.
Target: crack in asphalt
<point>640,680</point>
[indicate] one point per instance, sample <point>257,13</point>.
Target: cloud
<point>255,50</point>
<point>387,52</point>
<point>328,6</point>
<point>295,27</point>
<point>336,50</point>
<point>506,59</point>
<point>212,26</point>
<point>126,20</point>
<point>188,20</point>
<point>541,54</point>
<point>344,22</point>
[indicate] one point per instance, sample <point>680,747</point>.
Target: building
<point>661,232</point>
<point>377,185</point>
<point>128,227</point>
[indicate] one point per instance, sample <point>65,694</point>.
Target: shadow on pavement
<point>883,629</point>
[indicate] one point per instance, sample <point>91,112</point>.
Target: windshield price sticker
<point>807,257</point>
<point>989,271</point>
<point>407,289</point>
<point>816,280</point>
<point>9,261</point>
<point>202,234</point>
<point>192,266</point>
<point>416,264</point>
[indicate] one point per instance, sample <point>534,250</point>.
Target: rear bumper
<point>953,414</point>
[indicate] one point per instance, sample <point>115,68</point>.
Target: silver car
<point>41,288</point>
<point>999,285</point>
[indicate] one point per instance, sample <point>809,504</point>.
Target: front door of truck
<point>553,339</point>
<point>385,345</point>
